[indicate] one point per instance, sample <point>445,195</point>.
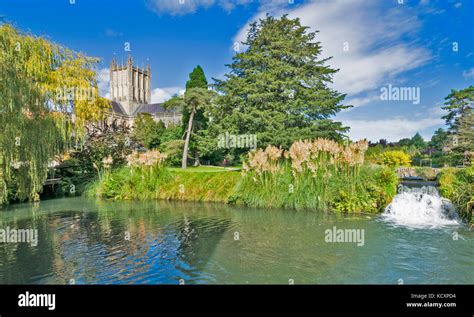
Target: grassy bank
<point>373,190</point>
<point>168,184</point>
<point>207,186</point>
<point>458,186</point>
<point>269,179</point>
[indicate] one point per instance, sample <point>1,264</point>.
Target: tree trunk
<point>184,163</point>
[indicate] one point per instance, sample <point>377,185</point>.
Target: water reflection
<point>83,241</point>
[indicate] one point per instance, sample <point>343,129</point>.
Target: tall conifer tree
<point>278,88</point>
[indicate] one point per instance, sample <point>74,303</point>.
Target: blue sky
<point>374,43</point>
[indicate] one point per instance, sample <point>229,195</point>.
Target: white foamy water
<point>420,208</point>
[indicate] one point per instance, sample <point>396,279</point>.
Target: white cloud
<point>376,51</point>
<point>360,101</point>
<point>396,128</point>
<point>468,73</point>
<point>229,5</point>
<point>183,7</point>
<point>112,33</point>
<point>457,5</point>
<point>103,81</point>
<point>159,95</point>
<point>437,111</point>
<point>392,129</point>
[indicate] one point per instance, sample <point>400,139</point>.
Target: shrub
<point>350,203</point>
<point>174,151</point>
<point>395,158</point>
<point>103,150</point>
<point>147,131</point>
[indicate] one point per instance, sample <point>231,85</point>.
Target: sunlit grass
<point>200,186</point>
<point>202,168</point>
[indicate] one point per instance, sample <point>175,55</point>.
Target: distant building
<point>130,94</point>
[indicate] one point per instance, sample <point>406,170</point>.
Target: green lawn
<point>204,169</point>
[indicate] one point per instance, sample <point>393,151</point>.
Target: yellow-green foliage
<point>395,158</point>
<point>447,178</point>
<point>200,186</point>
<point>458,186</point>
<point>35,124</point>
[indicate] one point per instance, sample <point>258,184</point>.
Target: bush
<point>395,158</point>
<point>104,149</point>
<point>172,144</point>
<point>174,151</point>
<point>147,131</point>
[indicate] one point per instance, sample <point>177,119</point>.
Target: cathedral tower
<point>130,85</point>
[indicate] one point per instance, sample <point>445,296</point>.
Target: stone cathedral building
<point>130,94</point>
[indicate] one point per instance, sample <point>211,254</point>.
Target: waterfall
<point>420,207</point>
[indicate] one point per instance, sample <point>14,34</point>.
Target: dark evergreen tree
<point>278,88</point>
<point>197,79</point>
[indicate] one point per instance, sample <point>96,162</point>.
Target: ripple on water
<point>169,242</point>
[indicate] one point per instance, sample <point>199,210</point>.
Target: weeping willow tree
<point>48,93</point>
